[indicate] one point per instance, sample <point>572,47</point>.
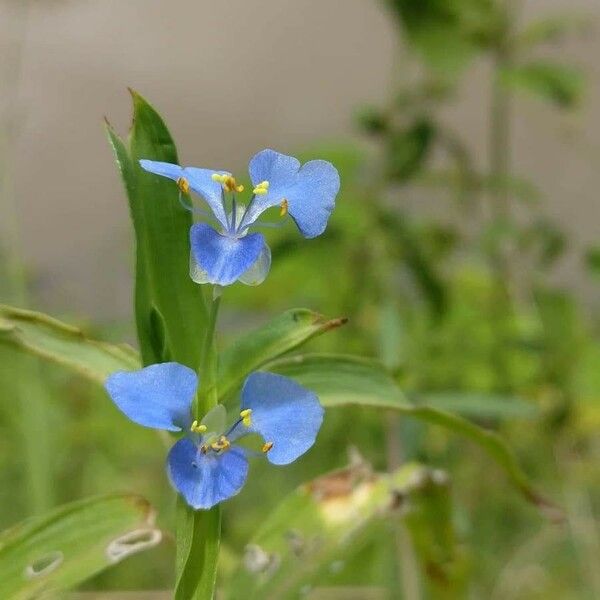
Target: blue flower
<point>230,253</point>
<point>208,464</point>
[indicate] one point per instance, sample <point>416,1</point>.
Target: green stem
<point>207,393</point>
<point>500,168</point>
<point>500,138</point>
<point>199,531</point>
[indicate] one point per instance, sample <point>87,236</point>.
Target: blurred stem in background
<point>500,175</point>
<point>408,273</point>
<point>500,121</point>
<point>25,374</point>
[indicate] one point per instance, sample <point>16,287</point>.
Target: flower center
<point>219,443</point>
<point>218,446</point>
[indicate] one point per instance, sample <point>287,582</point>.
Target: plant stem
<point>207,391</point>
<point>500,137</point>
<point>199,532</point>
<point>500,168</point>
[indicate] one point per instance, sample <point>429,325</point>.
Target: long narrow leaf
<point>170,310</point>
<point>284,333</point>
<point>342,380</point>
<point>323,523</point>
<point>52,340</point>
<point>55,552</point>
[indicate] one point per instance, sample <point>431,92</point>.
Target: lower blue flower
<point>206,478</point>
<point>210,464</point>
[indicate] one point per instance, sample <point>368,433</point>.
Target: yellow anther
<point>283,208</point>
<point>246,417</point>
<point>261,189</point>
<point>267,446</point>
<point>221,444</point>
<point>183,185</point>
<point>197,427</point>
<point>228,182</point>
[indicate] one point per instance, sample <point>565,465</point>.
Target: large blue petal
<point>280,170</point>
<point>313,198</point>
<point>200,181</point>
<point>159,396</point>
<point>283,412</point>
<point>310,190</point>
<point>224,258</point>
<point>258,272</point>
<point>206,479</point>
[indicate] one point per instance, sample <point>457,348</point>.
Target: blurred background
<point>463,248</point>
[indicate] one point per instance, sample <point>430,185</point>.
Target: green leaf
<point>412,244</point>
<point>198,542</point>
<point>346,380</point>
<point>322,524</point>
<point>496,449</point>
<point>429,519</point>
<point>447,34</point>
<point>592,260</point>
<point>340,380</point>
<point>560,84</point>
<point>476,405</point>
<point>408,149</point>
<point>169,306</point>
<point>284,333</point>
<point>552,29</point>
<point>61,549</point>
<point>52,340</point>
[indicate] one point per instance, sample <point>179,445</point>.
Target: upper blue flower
<point>307,192</point>
<point>208,465</point>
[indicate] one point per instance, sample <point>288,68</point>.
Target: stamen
<point>246,417</point>
<point>267,446</point>
<point>228,182</point>
<point>261,189</point>
<point>184,185</point>
<point>221,444</point>
<point>197,427</point>
<point>284,208</point>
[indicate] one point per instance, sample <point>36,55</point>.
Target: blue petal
<point>200,181</point>
<point>258,272</point>
<point>206,479</point>
<point>310,190</point>
<point>283,412</point>
<point>313,198</point>
<point>158,396</point>
<point>224,258</point>
<point>164,169</point>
